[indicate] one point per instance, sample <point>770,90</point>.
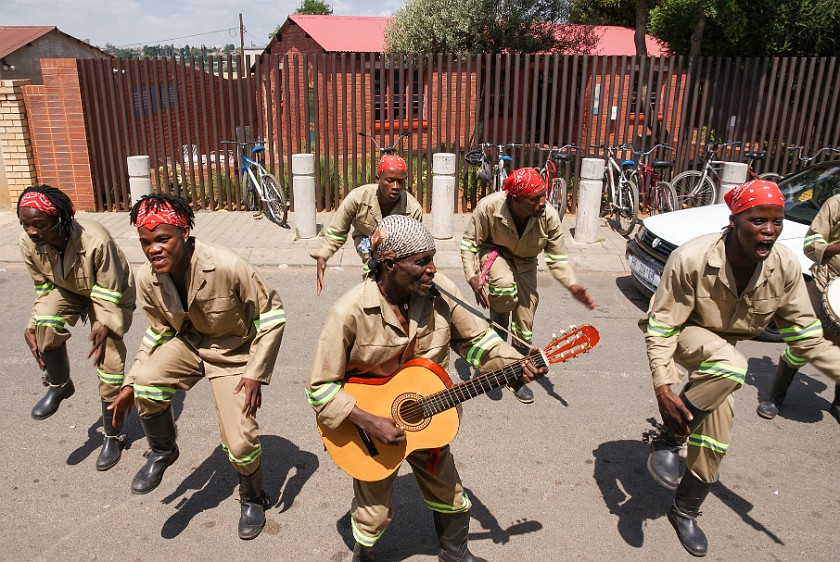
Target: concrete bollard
<point>732,175</point>
<point>444,167</point>
<point>139,177</point>
<point>590,191</point>
<point>303,185</point>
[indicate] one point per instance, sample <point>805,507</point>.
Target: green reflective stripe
<point>362,538</point>
<point>157,393</point>
<point>52,321</point>
<point>108,378</point>
<point>270,319</point>
<point>496,291</point>
<point>796,333</point>
<point>656,329</point>
<point>333,235</point>
<point>526,335</point>
<point>154,339</point>
<point>810,240</point>
<point>323,394</point>
<point>105,294</point>
<point>556,258</point>
<point>792,359</point>
<point>446,508</point>
<point>697,440</point>
<point>469,246</point>
<point>723,370</point>
<point>365,269</point>
<point>44,288</point>
<point>244,461</point>
<point>475,353</point>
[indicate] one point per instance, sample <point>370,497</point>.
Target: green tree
<point>311,7</point>
<point>485,26</point>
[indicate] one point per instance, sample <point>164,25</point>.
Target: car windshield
<point>806,190</point>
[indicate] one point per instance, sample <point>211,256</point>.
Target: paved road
<point>561,479</point>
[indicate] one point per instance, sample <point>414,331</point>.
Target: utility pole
<point>241,44</point>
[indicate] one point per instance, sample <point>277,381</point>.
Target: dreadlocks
<point>163,201</point>
<point>59,200</point>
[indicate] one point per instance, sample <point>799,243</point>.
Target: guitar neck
<point>454,395</point>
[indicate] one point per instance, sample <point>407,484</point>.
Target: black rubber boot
<point>503,320</point>
<point>521,390</point>
<point>160,433</point>
<point>111,450</point>
<point>57,380</point>
<point>452,530</point>
<point>663,464</point>
<point>363,553</point>
<point>769,408</point>
<point>690,496</point>
<point>834,409</point>
<point>254,503</point>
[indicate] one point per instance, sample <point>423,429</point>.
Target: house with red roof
<point>23,46</point>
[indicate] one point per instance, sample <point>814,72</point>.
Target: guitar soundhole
<point>407,412</point>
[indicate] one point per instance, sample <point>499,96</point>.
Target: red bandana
<point>152,218</point>
<point>524,182</point>
<point>752,194</point>
<point>39,201</point>
<point>390,162</point>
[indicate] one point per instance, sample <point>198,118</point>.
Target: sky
<point>178,22</point>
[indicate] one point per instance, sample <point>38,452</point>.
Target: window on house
<point>153,98</point>
<point>641,87</point>
<point>397,95</point>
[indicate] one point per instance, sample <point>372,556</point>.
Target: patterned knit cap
<point>398,236</point>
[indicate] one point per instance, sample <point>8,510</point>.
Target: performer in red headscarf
<point>362,209</point>
<point>716,290</point>
<point>512,228</point>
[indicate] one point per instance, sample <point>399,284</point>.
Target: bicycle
<point>805,160</point>
<point>388,150</point>
<point>557,190</point>
<point>493,174</point>
<point>621,192</point>
<point>258,184</point>
<point>661,197</point>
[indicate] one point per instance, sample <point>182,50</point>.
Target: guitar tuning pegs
<point>553,336</point>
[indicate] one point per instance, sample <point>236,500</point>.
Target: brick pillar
<point>17,165</point>
<point>59,136</point>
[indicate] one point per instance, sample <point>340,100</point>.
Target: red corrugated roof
<point>13,37</point>
<point>367,35</point>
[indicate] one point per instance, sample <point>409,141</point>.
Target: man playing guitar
<point>394,316</point>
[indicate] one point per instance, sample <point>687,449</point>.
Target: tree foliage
<point>750,27</point>
<point>314,7</point>
<point>603,12</point>
<point>485,26</point>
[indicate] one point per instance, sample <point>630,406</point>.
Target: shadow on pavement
<point>627,288</point>
<point>131,427</point>
<point>803,402</point>
<point>412,531</point>
<point>286,470</point>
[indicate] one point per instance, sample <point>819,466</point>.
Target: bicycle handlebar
<point>658,145</point>
<point>243,143</point>
<point>800,148</point>
<point>389,149</point>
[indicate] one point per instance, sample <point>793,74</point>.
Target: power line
<point>159,41</point>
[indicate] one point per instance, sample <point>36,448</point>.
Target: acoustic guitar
<point>422,400</point>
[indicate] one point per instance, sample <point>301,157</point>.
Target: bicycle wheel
<point>694,190</point>
<point>249,197</point>
<point>275,204</point>
<point>557,196</point>
<point>770,176</point>
<point>626,210</point>
<point>663,199</point>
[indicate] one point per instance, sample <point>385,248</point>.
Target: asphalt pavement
<point>561,479</point>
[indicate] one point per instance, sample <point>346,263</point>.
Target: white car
<point>805,191</point>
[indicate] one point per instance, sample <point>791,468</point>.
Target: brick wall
<point>57,128</point>
<point>17,169</point>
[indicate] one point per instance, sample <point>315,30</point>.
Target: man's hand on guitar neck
<point>382,429</point>
<point>531,372</point>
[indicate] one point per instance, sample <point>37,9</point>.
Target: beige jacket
<point>362,336</point>
<point>492,224</point>
<point>92,266</point>
<point>360,209</point>
<point>824,230</point>
<point>233,320</point>
<point>697,288</point>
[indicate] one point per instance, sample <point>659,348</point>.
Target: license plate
<point>644,271</point>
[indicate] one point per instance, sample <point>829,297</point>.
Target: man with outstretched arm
<point>716,290</point>
<point>362,210</point>
<point>512,228</point>
<point>210,316</point>
<point>394,316</point>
